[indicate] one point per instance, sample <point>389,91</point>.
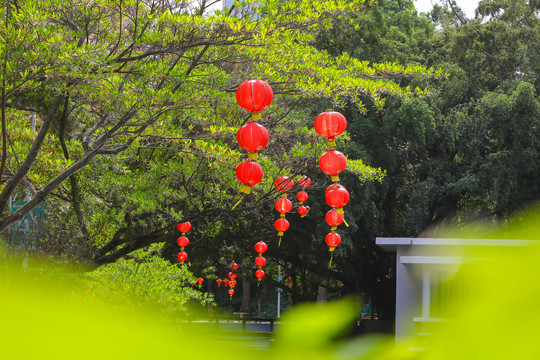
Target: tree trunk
<point>322,294</point>
<point>246,296</point>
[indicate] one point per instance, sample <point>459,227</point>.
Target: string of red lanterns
<point>232,278</point>
<point>302,196</point>
<point>183,241</point>
<point>283,205</point>
<point>260,261</point>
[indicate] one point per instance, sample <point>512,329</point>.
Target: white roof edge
<point>390,244</point>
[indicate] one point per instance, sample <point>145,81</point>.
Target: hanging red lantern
<point>303,210</point>
<point>234,266</point>
<point>225,282</point>
<point>259,274</point>
<point>281,226</point>
<point>219,281</point>
<point>250,174</point>
<point>182,242</point>
<point>302,196</point>
<point>261,247</point>
<point>232,275</point>
<point>332,163</point>
<point>182,256</point>
<point>231,293</point>
<point>184,227</point>
<point>260,261</point>
<point>330,124</point>
<point>304,182</point>
<point>334,219</point>
<point>283,184</point>
<point>337,197</point>
<point>252,137</point>
<point>232,283</point>
<point>254,95</point>
<point>283,206</point>
<point>200,281</point>
<point>332,239</point>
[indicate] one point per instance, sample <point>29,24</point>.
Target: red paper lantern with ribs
<point>232,283</point>
<point>334,219</point>
<point>184,227</point>
<point>200,281</point>
<point>225,282</point>
<point>337,197</point>
<point>219,281</point>
<point>182,242</point>
<point>283,184</point>
<point>332,163</point>
<point>182,256</point>
<point>332,239</point>
<point>281,226</point>
<point>231,293</point>
<point>283,206</point>
<point>250,174</point>
<point>260,261</point>
<point>302,196</point>
<point>259,274</point>
<point>304,182</point>
<point>254,95</point>
<point>261,247</point>
<point>252,137</point>
<point>303,210</point>
<point>330,124</point>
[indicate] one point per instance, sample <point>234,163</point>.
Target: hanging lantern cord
<point>331,257</point>
<point>347,225</point>
<point>279,243</point>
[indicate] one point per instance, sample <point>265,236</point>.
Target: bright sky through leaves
<point>468,6</point>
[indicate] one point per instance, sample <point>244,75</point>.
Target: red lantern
<point>252,137</point>
<point>283,205</point>
<point>281,226</point>
<point>184,227</point>
<point>337,197</point>
<point>254,95</point>
<point>304,181</point>
<point>231,292</point>
<point>219,281</point>
<point>182,242</point>
<point>283,184</point>
<point>182,257</point>
<point>261,247</point>
<point>332,163</point>
<point>303,210</point>
<point>234,266</point>
<point>332,239</point>
<point>200,281</point>
<point>334,219</point>
<point>232,283</point>
<point>330,124</point>
<point>225,282</point>
<point>232,275</point>
<point>302,196</point>
<point>259,274</point>
<point>260,261</point>
<point>250,174</point>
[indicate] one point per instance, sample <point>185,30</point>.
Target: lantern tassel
<point>279,243</point>
<point>347,225</point>
<point>331,257</point>
<point>238,203</point>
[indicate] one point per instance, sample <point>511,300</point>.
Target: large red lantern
<point>182,256</point>
<point>182,242</point>
<point>304,182</point>
<point>302,196</point>
<point>260,261</point>
<point>332,239</point>
<point>281,226</point>
<point>332,163</point>
<point>250,174</point>
<point>334,219</point>
<point>184,227</point>
<point>283,206</point>
<point>283,184</point>
<point>200,281</point>
<point>254,95</point>
<point>337,197</point>
<point>252,137</point>
<point>330,124</point>
<point>259,274</point>
<point>261,247</point>
<point>303,210</point>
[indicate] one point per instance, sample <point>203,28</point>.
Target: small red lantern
<point>182,257</point>
<point>261,247</point>
<point>234,266</point>
<point>259,274</point>
<point>332,239</point>
<point>334,219</point>
<point>330,124</point>
<point>232,283</point>
<point>219,281</point>
<point>184,227</point>
<point>254,95</point>
<point>283,206</point>
<point>232,275</point>
<point>303,210</point>
<point>304,181</point>
<point>250,174</point>
<point>260,261</point>
<point>302,196</point>
<point>332,163</point>
<point>283,184</point>
<point>252,137</point>
<point>337,197</point>
<point>231,292</point>
<point>200,281</point>
<point>182,242</point>
<point>225,282</point>
<point>281,226</point>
